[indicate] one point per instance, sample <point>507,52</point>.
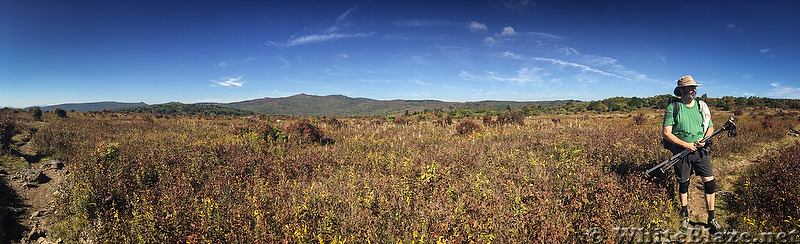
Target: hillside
<point>180,108</point>
<point>338,105</point>
<point>94,106</point>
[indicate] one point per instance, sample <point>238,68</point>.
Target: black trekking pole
<point>664,166</point>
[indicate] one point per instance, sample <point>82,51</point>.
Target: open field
<point>193,179</point>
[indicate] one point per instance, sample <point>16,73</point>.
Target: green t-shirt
<point>689,124</point>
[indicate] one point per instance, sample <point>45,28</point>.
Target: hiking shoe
<point>685,224</point>
<point>714,227</point>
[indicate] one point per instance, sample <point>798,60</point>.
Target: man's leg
<point>707,182</point>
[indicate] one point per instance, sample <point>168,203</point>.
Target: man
<point>684,130</point>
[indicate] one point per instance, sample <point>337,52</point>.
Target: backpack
<point>675,148</point>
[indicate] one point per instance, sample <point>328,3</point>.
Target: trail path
<point>725,175</point>
<point>34,202</point>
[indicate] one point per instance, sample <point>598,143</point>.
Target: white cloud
<point>322,38</point>
<point>286,63</point>
<point>418,82</point>
<point>488,40</point>
<point>582,67</point>
<point>344,55</point>
<point>228,82</point>
<point>475,26</point>
<point>422,22</point>
<point>508,30</point>
<point>338,24</point>
<point>512,55</point>
<point>599,60</point>
<point>765,50</point>
<point>784,91</point>
<point>524,75</point>
<point>545,35</point>
<point>225,64</point>
<point>732,27</point>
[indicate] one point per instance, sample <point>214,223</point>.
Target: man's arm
<point>710,131</point>
<point>674,139</point>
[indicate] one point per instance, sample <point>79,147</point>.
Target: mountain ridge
<point>329,105</point>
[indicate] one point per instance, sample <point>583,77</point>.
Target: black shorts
<point>697,162</point>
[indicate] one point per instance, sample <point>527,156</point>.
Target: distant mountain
<point>306,105</point>
<point>180,108</point>
<point>338,105</point>
<point>96,106</point>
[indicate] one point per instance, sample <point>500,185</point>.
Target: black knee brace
<point>683,187</point>
<point>710,186</point>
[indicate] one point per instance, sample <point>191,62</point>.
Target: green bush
<point>37,113</point>
<point>60,112</point>
<point>7,130</point>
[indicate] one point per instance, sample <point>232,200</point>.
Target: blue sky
<point>54,52</point>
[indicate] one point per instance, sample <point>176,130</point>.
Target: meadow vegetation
<point>428,178</point>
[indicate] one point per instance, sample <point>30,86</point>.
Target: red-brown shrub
<point>467,127</point>
<point>306,132</point>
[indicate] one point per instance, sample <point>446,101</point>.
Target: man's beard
<point>689,96</point>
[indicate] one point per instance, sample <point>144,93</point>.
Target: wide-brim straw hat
<point>683,82</point>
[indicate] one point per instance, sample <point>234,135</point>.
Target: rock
<point>33,175</point>
<point>3,172</point>
<point>37,214</point>
<point>30,185</point>
<point>43,240</point>
<point>35,233</point>
<point>53,164</point>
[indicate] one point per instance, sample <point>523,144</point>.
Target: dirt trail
<point>33,204</point>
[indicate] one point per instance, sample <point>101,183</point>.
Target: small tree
<point>306,131</point>
<point>7,131</point>
<point>60,112</point>
<point>466,127</point>
<point>37,113</point>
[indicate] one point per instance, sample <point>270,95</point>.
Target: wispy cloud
<point>589,64</point>
<point>582,67</point>
<point>733,28</point>
<point>225,64</point>
<point>330,34</point>
<point>519,5</point>
<point>523,76</point>
<point>321,38</point>
<point>228,82</point>
<point>767,52</point>
<point>475,26</point>
<point>781,91</point>
<point>422,23</point>
<point>342,17</point>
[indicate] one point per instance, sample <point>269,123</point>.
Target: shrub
<point>639,119</point>
<point>511,117</point>
<point>60,112</point>
<point>766,123</point>
<point>770,193</point>
<point>466,127</point>
<point>7,130</point>
<point>37,113</point>
<point>335,123</point>
<point>444,121</point>
<point>401,121</point>
<point>306,131</point>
